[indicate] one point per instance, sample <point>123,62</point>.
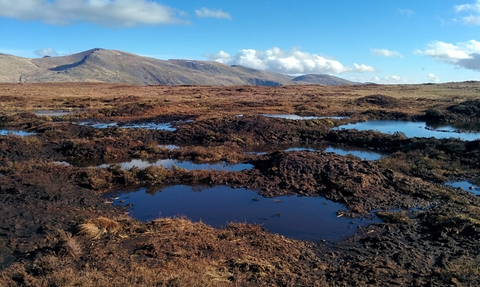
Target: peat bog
<point>390,218</point>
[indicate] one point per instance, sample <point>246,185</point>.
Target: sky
<point>385,42</point>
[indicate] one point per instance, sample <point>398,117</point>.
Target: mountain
<point>322,79</point>
<point>100,65</point>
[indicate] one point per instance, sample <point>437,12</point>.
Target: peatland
<point>58,228</point>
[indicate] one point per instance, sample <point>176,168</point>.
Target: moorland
<point>60,228</point>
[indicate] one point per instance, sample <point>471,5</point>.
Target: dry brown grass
<point>96,228</point>
<point>204,100</point>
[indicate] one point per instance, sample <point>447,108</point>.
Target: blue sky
<point>390,42</point>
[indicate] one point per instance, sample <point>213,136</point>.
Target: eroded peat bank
<point>193,153</point>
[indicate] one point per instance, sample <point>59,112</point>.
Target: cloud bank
<point>207,13</point>
<point>385,53</point>
<point>462,54</point>
<point>473,18</point>
<point>293,62</point>
<point>114,13</point>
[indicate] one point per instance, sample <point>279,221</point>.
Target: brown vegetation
<point>59,230</point>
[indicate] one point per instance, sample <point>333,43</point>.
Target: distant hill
<point>322,79</point>
<point>99,65</point>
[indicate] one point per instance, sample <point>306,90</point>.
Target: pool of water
<point>341,150</point>
<point>465,185</point>
<point>413,129</point>
<point>296,117</point>
<point>452,127</point>
<point>53,113</point>
<point>188,165</point>
<point>309,218</point>
<point>148,126</point>
<point>4,132</point>
<point>168,146</point>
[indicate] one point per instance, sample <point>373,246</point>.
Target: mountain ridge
<point>114,66</point>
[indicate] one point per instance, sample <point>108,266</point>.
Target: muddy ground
<point>58,229</point>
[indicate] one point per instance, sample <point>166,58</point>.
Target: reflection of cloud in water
<point>148,126</point>
<point>188,165</point>
<point>410,129</point>
<point>297,117</point>
<point>16,133</point>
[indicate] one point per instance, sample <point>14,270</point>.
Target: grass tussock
<point>96,228</point>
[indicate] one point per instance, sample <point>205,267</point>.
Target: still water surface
<point>309,218</point>
<point>414,129</point>
<point>4,132</point>
<point>465,185</point>
<point>188,165</point>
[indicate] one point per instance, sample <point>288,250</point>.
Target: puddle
<point>148,126</point>
<point>296,117</point>
<point>168,146</point>
<point>188,165</point>
<point>62,163</point>
<point>4,132</point>
<point>454,127</point>
<point>465,185</point>
<point>306,218</point>
<point>341,150</point>
<point>53,113</point>
<point>412,129</point>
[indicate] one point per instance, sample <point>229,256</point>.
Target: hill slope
<point>99,65</point>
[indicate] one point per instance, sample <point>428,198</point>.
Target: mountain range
<point>100,65</point>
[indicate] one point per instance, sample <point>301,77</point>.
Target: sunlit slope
<point>100,65</point>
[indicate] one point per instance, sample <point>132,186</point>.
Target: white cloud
<point>389,80</point>
<point>116,13</point>
<point>207,13</point>
<point>433,78</point>
<point>462,54</point>
<point>385,53</point>
<point>468,7</point>
<point>293,62</point>
<point>363,68</point>
<point>396,79</point>
<point>474,9</point>
<point>46,52</point>
<point>406,12</point>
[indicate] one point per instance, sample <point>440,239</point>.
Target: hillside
<point>100,65</point>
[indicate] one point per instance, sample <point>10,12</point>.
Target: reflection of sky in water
<point>341,150</point>
<point>465,185</point>
<point>53,113</point>
<point>168,146</point>
<point>17,133</point>
<point>148,126</point>
<point>169,163</point>
<point>296,117</point>
<point>311,218</point>
<point>410,129</point>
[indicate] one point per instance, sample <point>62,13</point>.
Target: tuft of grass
<point>96,228</point>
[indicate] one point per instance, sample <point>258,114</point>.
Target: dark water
<point>148,126</point>
<point>465,185</point>
<point>188,165</point>
<point>4,132</point>
<point>310,218</point>
<point>414,129</point>
<point>296,117</point>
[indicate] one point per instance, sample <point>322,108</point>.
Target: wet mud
<point>59,229</point>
